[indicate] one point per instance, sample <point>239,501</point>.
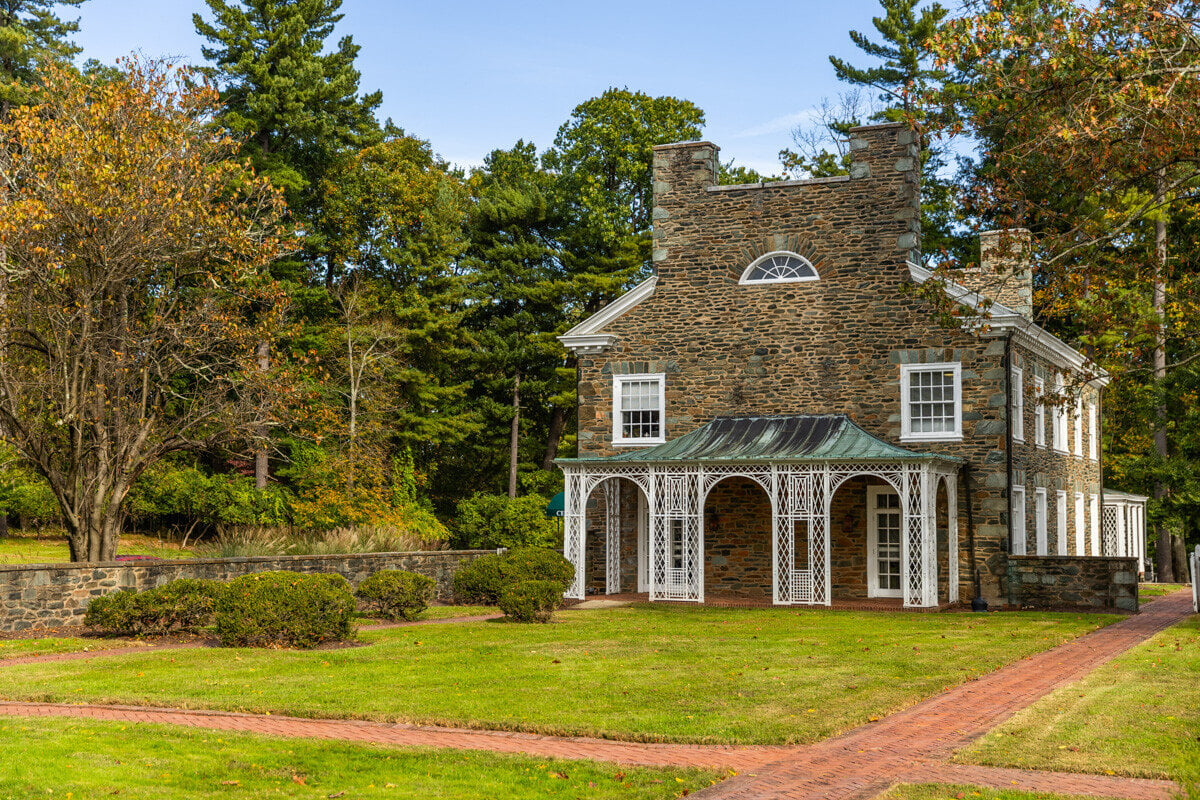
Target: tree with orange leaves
<point>131,298</point>
<point>1088,115</point>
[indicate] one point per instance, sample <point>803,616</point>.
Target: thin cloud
<point>778,125</point>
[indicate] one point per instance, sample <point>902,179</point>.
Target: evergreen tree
<point>298,106</point>
<point>603,156</point>
<point>30,32</point>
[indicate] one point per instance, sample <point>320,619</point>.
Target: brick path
<point>909,746</point>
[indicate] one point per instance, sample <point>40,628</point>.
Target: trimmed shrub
<point>490,521</point>
<point>531,601</point>
<point>537,564</point>
<point>182,606</point>
<point>484,579</point>
<point>285,609</point>
<point>480,581</point>
<point>397,594</point>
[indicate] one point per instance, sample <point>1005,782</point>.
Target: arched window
<point>779,267</point>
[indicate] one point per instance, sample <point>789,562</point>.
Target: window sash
<point>1017,520</point>
<point>1039,413</point>
<point>1039,521</point>
<point>1018,404</point>
<point>638,409</point>
<point>931,401</point>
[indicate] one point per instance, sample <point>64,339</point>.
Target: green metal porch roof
<point>802,437</point>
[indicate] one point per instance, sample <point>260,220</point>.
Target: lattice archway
<point>739,550</point>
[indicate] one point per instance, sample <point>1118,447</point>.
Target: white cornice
<point>586,337</point>
<point>996,319</point>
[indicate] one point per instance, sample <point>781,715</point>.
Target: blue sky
<point>473,76</point>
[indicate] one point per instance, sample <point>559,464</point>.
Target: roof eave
<point>586,338</point>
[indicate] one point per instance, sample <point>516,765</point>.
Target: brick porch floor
<point>909,746</point>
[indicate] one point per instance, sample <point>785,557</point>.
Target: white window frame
<point>745,278</point>
<point>1018,404</point>
<point>1079,426</point>
<point>1060,512</point>
<point>1016,520</point>
<point>1039,412</point>
<point>1058,433</point>
<point>1094,527</point>
<point>1093,433</point>
<point>1080,526</point>
<point>617,430</point>
<point>1039,521</point>
<point>906,432</point>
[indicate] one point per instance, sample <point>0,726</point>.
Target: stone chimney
<point>682,173</point>
<point>885,160</point>
<point>1005,271</point>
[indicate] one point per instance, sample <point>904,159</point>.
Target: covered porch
<point>806,509</point>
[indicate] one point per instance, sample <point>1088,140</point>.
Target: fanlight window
<point>779,268</point>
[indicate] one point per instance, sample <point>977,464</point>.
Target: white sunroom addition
<point>800,461</point>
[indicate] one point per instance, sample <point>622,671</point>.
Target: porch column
<point>612,536</point>
<point>952,536</point>
<point>819,527</point>
<point>918,552</point>
<point>574,529</point>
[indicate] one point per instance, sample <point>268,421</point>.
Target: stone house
<point>776,415</point>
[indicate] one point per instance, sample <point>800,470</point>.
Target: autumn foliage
<point>132,247</point>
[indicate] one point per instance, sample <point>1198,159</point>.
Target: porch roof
<point>767,438</point>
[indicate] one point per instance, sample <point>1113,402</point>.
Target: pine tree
<point>298,106</point>
<point>30,32</point>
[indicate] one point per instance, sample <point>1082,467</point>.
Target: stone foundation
<point>1086,582</point>
<point>48,596</point>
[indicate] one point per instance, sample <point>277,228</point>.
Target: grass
<point>649,673</point>
<point>84,758</point>
<point>1138,715</point>
<point>450,612</point>
<point>935,791</point>
<point>50,547</point>
<point>1148,590</point>
<point>21,648</point>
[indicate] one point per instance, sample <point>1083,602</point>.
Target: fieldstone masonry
<point>1096,584</point>
<point>47,596</point>
<point>834,345</point>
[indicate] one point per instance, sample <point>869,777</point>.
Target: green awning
<point>802,437</point>
<point>557,505</point>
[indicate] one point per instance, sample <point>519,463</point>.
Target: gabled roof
<point>781,438</point>
<point>996,319</point>
<point>586,337</point>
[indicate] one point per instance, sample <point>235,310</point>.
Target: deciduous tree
<point>130,302</point>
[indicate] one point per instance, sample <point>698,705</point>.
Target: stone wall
<point>1098,584</point>
<point>737,540</point>
<point>47,596</point>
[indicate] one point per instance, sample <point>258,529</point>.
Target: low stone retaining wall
<point>50,595</point>
<point>1091,582</point>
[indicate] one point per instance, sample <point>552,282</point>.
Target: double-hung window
<point>1093,434</point>
<point>1039,520</point>
<point>931,401</point>
<point>1018,404</point>
<point>1039,412</point>
<point>1079,426</point>
<point>1059,432</point>
<point>638,405</point>
<point>1060,522</point>
<point>1017,520</point>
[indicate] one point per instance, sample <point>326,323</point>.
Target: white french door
<point>884,529</point>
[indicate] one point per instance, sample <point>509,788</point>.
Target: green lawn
<point>1146,590</point>
<point>85,759</point>
<point>658,673</point>
<point>50,547</point>
<point>933,791</point>
<point>1137,715</point>
<point>19,648</point>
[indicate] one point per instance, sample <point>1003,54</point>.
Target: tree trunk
<point>514,438</point>
<point>558,425</point>
<point>1163,550</point>
<point>261,467</point>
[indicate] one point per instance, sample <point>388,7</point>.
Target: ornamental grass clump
<point>396,594</point>
<point>186,605</point>
<point>285,609</point>
<point>531,601</point>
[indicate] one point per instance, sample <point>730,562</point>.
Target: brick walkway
<point>909,746</point>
